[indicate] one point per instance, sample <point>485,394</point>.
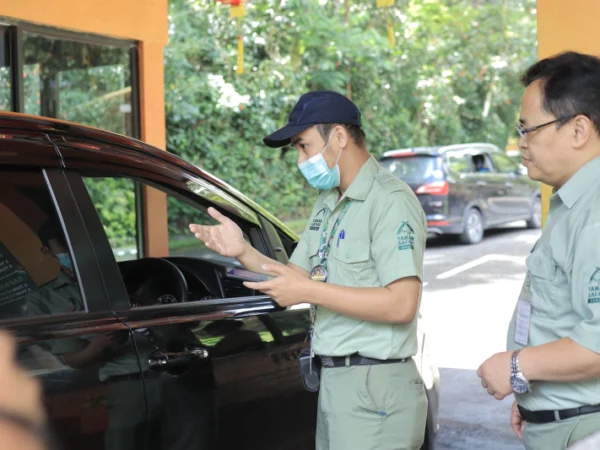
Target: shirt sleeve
<point>300,257</point>
<point>585,288</point>
<point>399,236</point>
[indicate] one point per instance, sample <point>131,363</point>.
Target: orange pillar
<point>144,21</point>
<point>152,99</point>
<point>566,25</point>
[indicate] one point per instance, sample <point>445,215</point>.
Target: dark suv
<point>467,188</point>
<point>139,352</point>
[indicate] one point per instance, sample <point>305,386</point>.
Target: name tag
<point>523,313</point>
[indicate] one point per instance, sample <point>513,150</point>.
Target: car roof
<point>18,121</point>
<point>438,150</point>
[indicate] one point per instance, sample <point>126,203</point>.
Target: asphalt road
<point>469,296</point>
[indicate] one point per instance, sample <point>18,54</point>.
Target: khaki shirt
<point>564,271</point>
<point>380,239</point>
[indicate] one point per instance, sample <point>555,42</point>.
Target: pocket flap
<point>540,264</point>
<point>353,251</point>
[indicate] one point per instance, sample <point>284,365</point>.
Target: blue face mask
<point>317,172</point>
<point>65,260</point>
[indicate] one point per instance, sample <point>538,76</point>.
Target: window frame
<point>116,291</point>
<point>14,31</point>
<point>88,276</point>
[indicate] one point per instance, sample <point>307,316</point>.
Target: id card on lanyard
<point>524,313</point>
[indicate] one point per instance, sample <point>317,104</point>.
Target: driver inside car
<point>167,399</point>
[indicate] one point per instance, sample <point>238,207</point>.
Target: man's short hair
<point>49,231</point>
<point>356,133</point>
<point>570,85</point>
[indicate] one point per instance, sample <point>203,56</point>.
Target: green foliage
<point>452,77</point>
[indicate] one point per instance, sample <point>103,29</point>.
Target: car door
<point>519,192</point>
<point>51,295</point>
<point>209,352</point>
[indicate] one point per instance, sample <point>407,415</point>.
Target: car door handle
<point>481,183</point>
<point>163,361</point>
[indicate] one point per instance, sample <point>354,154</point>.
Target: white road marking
<point>478,262</point>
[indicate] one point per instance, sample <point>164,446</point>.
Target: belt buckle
<point>327,361</point>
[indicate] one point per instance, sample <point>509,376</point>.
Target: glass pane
<point>181,241</point>
<point>5,83</point>
<point>83,83</point>
<point>114,199</point>
<point>459,162</point>
<point>503,163</point>
<point>412,169</point>
<point>36,269</point>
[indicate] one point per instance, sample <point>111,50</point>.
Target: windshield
<point>414,169</point>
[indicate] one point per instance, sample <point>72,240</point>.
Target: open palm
<point>226,238</point>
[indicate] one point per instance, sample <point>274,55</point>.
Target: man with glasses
<point>553,362</point>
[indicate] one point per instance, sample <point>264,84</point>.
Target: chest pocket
<point>353,264</point>
<point>551,296</point>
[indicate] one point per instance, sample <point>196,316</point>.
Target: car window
<point>115,201</point>
<point>480,163</point>
<point>37,276</point>
<point>459,162</point>
<point>414,169</point>
<point>503,163</point>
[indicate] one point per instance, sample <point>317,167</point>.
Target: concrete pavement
<point>468,300</point>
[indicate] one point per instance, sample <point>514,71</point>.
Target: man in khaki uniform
<point>360,263</point>
<point>553,365</point>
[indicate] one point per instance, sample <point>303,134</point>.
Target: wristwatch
<point>520,384</point>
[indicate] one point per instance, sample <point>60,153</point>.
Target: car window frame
<point>94,298</point>
<point>144,316</point>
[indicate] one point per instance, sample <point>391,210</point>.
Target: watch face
<point>519,385</point>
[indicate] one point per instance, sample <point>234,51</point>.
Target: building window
<point>85,79</point>
<point>5,74</point>
<point>78,82</point>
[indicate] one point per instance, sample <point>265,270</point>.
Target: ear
<point>341,134</point>
<point>583,130</point>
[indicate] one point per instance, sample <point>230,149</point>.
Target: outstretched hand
<point>226,238</point>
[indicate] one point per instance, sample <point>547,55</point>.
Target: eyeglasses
<point>524,131</point>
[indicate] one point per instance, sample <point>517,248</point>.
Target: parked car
<point>467,188</point>
<point>138,352</point>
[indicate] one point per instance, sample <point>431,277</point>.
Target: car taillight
<point>435,188</point>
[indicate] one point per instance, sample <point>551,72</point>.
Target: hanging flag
<point>390,25</point>
<point>237,10</point>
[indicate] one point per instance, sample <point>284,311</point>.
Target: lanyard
<point>325,244</point>
<point>321,269</point>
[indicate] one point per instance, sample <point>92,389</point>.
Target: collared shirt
<point>380,239</point>
<point>564,271</point>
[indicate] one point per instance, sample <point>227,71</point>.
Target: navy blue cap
<point>314,108</point>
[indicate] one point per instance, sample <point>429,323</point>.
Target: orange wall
<point>154,132</point>
<point>143,20</point>
<point>567,25</point>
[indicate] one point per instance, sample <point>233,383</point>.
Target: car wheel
<point>473,232</point>
<point>536,214</point>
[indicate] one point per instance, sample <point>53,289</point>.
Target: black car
<point>139,352</point>
<point>467,188</point>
